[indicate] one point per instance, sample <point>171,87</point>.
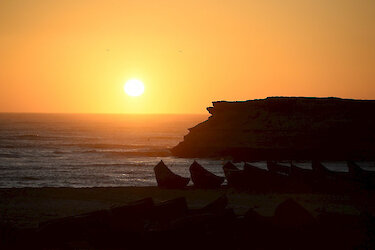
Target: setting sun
<point>134,87</point>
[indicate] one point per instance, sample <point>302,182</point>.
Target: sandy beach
<point>27,207</point>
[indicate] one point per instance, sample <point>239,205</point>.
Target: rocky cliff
<point>284,128</point>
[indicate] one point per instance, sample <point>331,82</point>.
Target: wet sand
<point>27,207</point>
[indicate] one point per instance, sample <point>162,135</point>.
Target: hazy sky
<point>76,55</point>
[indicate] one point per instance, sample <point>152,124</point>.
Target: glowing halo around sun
<point>134,87</point>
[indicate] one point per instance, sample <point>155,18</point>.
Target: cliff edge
<point>284,128</point>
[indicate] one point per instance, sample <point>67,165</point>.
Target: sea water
<point>92,150</point>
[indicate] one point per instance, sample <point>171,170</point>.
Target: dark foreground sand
<point>26,207</point>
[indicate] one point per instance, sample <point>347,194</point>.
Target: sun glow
<point>134,87</point>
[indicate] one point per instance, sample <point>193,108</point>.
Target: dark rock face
<point>284,128</point>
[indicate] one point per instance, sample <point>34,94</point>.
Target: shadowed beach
<point>26,207</point>
<point>25,210</point>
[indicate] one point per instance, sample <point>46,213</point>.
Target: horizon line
<point>92,113</point>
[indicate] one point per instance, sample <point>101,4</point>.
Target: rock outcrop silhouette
<point>284,128</point>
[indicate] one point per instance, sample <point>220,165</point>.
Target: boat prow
<point>167,179</point>
<point>203,178</point>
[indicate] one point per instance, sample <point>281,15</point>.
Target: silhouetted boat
<point>234,176</point>
<point>167,179</point>
<point>277,167</point>
<point>251,177</point>
<point>216,206</point>
<point>170,209</point>
<point>291,227</point>
<point>260,179</point>
<point>301,173</point>
<point>203,178</point>
<point>276,181</point>
<point>53,233</point>
<point>254,171</point>
<point>334,180</point>
<point>365,177</point>
<point>356,171</point>
<point>258,228</point>
<point>302,179</point>
<point>229,166</point>
<point>296,226</point>
<point>321,171</point>
<point>132,216</point>
<point>291,214</point>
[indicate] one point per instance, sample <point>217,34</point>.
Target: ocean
<point>91,150</point>
<point>97,150</point>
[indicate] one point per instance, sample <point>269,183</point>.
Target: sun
<point>134,87</point>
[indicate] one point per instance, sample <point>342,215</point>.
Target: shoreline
<point>27,207</point>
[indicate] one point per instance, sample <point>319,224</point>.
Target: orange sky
<point>75,55</point>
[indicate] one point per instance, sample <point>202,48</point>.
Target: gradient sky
<point>74,56</point>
